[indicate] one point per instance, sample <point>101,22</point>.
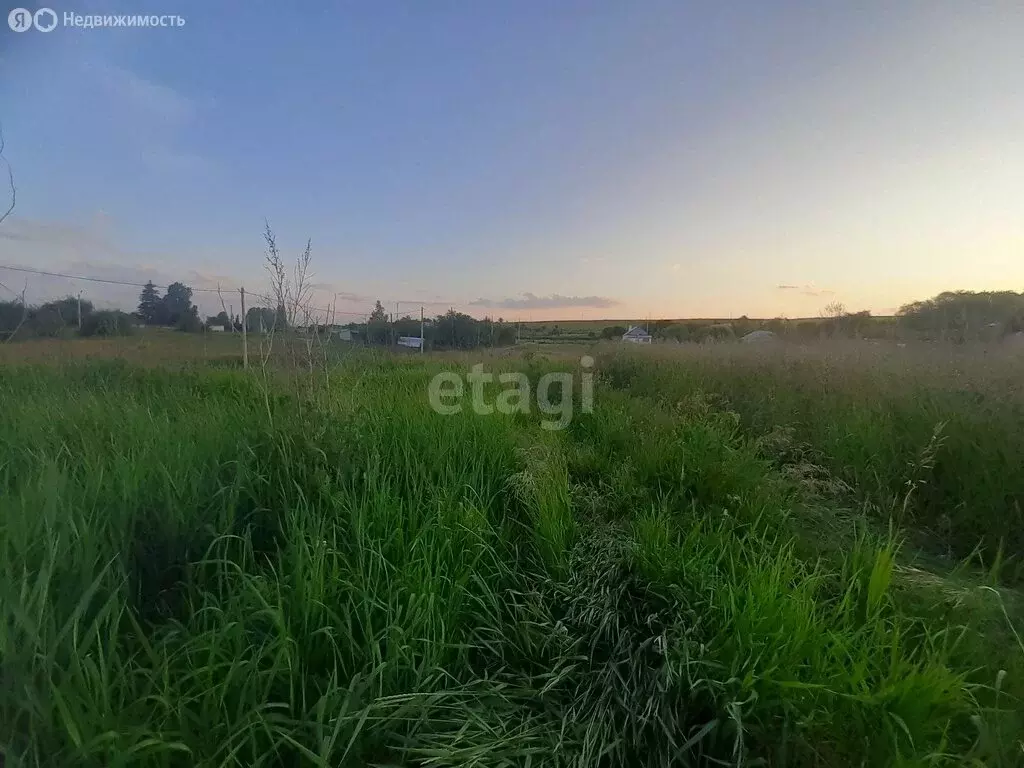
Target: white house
<point>759,337</point>
<point>637,335</point>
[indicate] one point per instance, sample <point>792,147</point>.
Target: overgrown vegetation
<point>74,316</point>
<point>726,563</point>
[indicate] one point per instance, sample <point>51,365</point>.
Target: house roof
<point>761,335</point>
<point>636,332</point>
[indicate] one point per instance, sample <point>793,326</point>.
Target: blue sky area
<point>529,159</point>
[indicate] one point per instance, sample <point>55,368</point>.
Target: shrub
<point>110,322</point>
<point>190,323</point>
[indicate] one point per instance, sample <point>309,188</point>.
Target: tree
<point>151,306</point>
<point>67,308</point>
<point>47,321</point>
<point>221,319</point>
<point>259,319</point>
<point>834,309</point>
<point>379,314</point>
<point>55,318</point>
<point>962,315</point>
<point>177,304</point>
<point>190,322</point>
<point>377,326</point>
<point>107,323</point>
<point>672,332</point>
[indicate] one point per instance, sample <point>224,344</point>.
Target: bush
<point>190,323</point>
<point>110,322</point>
<point>612,332</point>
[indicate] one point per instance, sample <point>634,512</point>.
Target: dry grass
<point>151,346</point>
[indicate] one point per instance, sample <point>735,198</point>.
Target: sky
<point>562,159</point>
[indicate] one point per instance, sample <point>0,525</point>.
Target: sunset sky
<point>557,159</point>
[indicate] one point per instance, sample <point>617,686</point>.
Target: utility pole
<point>245,340</point>
<point>423,341</point>
<point>79,311</point>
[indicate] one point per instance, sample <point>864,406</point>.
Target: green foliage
<point>175,308</point>
<point>870,414</point>
<point>964,315</point>
<point>452,330</point>
<point>221,319</point>
<point>108,322</point>
<point>261,320</point>
<point>151,308</point>
<point>212,569</point>
<point>54,318</point>
<point>613,332</point>
<point>673,332</point>
<point>190,322</point>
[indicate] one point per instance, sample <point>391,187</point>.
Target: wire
<point>108,281</point>
<point>93,279</point>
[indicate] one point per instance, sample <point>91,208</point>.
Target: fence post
<point>245,340</point>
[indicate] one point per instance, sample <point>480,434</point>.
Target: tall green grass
<point>208,568</point>
<point>933,435</point>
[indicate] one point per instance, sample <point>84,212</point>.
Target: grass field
<point>739,557</point>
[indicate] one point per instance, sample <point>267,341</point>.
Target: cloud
<point>328,292</point>
<point>53,233</point>
<point>87,250</point>
<point>154,119</point>
<point>554,301</point>
<point>148,98</point>
<point>807,290</point>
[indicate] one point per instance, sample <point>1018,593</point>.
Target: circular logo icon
<point>20,20</point>
<point>45,19</point>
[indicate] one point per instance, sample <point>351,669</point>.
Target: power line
<point>94,279</point>
<point>109,281</point>
<point>310,307</point>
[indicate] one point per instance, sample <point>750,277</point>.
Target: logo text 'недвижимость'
<point>47,19</point>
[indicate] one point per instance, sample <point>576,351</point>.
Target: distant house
<point>343,334</point>
<point>216,328</point>
<point>758,337</point>
<point>637,335</point>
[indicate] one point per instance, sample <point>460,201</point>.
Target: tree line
<point>174,308</point>
<point>957,316</point>
<point>75,316</point>
<point>963,316</point>
<point>69,316</point>
<point>450,330</point>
